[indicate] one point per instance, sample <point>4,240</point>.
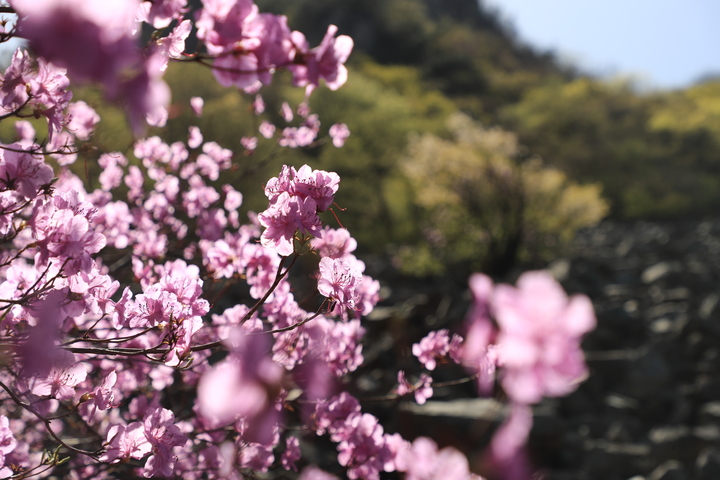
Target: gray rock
<point>670,470</point>
<point>656,272</point>
<point>707,466</point>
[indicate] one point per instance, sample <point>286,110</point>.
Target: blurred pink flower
<point>423,461</point>
<point>339,133</point>
<point>540,330</point>
<point>244,385</point>
<point>196,103</point>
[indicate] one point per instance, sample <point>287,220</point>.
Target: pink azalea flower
<point>267,129</point>
<point>314,473</point>
<point>258,104</point>
<point>15,80</point>
<point>7,439</point>
<point>331,415</point>
<point>339,133</point>
<point>61,380</point>
<point>404,387</point>
<point>507,447</point>
<point>539,337</point>
<point>163,435</point>
<point>364,449</point>
<point>323,62</point>
<point>249,143</point>
<point>82,119</point>
<point>233,198</point>
<point>23,172</point>
<point>320,185</point>
<point>239,70</point>
<point>160,13</point>
<point>338,281</point>
<point>423,461</point>
<point>286,216</point>
<point>286,112</point>
<point>195,138</point>
<point>334,243</point>
<point>337,344</point>
<point>244,386</point>
<point>435,345</point>
<point>173,45</point>
<point>125,442</point>
<point>102,396</point>
<point>423,389</point>
<point>25,132</point>
<point>95,42</point>
<point>197,105</point>
<point>291,454</point>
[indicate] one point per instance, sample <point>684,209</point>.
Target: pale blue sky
<point>666,43</point>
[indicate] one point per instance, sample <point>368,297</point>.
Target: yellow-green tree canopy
<point>484,208</point>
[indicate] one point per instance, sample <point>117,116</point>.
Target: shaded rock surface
<point>651,406</point>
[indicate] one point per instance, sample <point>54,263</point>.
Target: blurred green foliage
<point>483,207</point>
<point>656,154</point>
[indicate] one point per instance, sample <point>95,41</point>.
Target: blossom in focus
<point>296,196</point>
<point>338,281</point>
<point>162,434</point>
<point>283,218</point>
<point>61,379</point>
<point>334,243</point>
<point>435,345</point>
<point>326,61</point>
<point>7,445</point>
<point>23,172</point>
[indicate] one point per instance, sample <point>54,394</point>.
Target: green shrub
<point>481,207</point>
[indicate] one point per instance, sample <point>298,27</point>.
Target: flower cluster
<point>363,447</point>
<point>147,330</point>
<point>249,46</point>
<point>296,197</point>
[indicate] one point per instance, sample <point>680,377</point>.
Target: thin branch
<point>294,325</point>
<point>46,422</point>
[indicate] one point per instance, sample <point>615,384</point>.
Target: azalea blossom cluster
<point>149,330</point>
<point>96,41</point>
